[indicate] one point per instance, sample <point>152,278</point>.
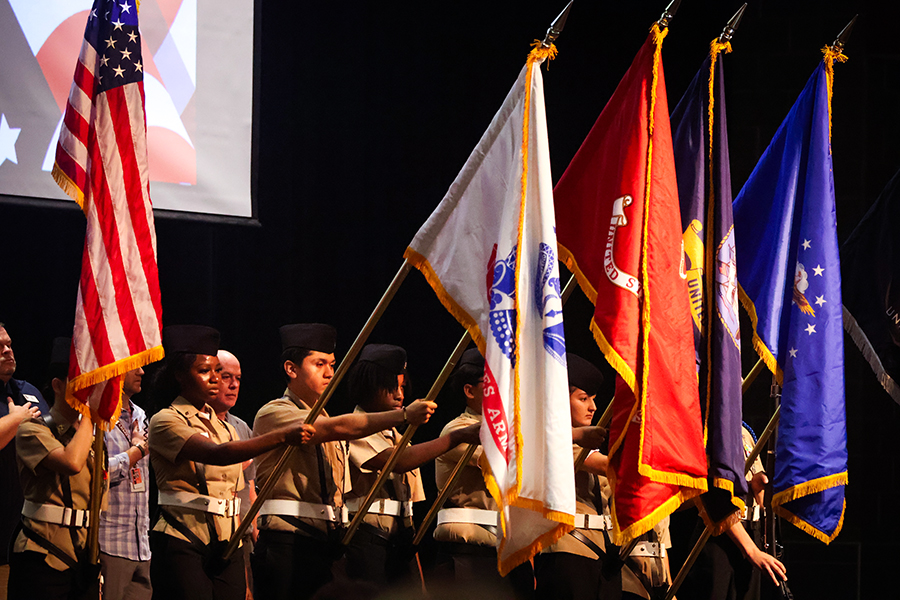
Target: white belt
<point>225,507</point>
<point>592,521</point>
<point>653,549</point>
<point>393,508</point>
<point>305,510</point>
<point>474,516</point>
<point>751,516</point>
<point>58,515</point>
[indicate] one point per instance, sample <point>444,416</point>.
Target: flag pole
<point>281,465</point>
<point>470,450</point>
<point>96,497</point>
<point>388,467</point>
<point>605,418</point>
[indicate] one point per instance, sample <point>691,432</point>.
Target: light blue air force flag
<point>790,283</point>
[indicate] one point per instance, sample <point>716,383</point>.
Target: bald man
<point>223,403</point>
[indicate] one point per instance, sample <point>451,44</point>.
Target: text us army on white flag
<point>489,252</point>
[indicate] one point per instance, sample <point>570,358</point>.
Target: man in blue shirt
<point>19,401</point>
<point>124,527</point>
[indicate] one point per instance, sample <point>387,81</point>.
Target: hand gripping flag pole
<point>280,467</point>
<point>388,467</point>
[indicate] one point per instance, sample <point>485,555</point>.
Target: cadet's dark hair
<point>165,382</point>
<point>367,380</point>
<point>296,356</point>
<point>465,374</point>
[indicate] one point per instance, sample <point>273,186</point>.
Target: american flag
<point>101,162</point>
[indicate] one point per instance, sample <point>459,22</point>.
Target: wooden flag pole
<point>314,412</point>
<point>760,443</point>
<point>469,453</point>
<point>96,497</point>
<point>388,467</point>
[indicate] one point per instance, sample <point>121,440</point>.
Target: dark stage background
<point>366,112</point>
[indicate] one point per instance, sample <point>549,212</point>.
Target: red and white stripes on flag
<point>101,162</point>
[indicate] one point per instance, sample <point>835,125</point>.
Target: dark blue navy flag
<point>870,262</point>
<point>790,283</point>
<point>702,165</point>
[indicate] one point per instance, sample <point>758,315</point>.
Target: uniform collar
<point>182,405</point>
<point>472,413</point>
<point>60,423</point>
<point>296,399</point>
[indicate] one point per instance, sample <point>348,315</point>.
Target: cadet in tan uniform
<point>300,526</point>
<point>197,459</point>
<point>467,529</point>
<point>729,567</point>
<point>572,568</point>
<point>381,550</point>
<point>55,468</point>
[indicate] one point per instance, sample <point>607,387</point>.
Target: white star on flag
<point>126,7</point>
<point>806,244</point>
<point>810,329</point>
<point>118,24</point>
<point>818,270</point>
<point>820,300</point>
<point>793,352</point>
<point>8,137</point>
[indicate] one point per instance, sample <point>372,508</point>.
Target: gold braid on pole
<point>318,407</point>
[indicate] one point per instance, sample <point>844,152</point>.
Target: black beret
<point>392,358</point>
<point>191,339</point>
<point>473,357</point>
<point>583,375</point>
<point>59,355</point>
<point>312,336</point>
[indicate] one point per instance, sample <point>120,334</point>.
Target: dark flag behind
<point>790,284</point>
<point>870,264</point>
<point>700,138</point>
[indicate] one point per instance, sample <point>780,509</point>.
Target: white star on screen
<point>806,244</point>
<point>793,352</point>
<point>820,300</point>
<point>8,137</point>
<point>810,329</point>
<point>818,270</point>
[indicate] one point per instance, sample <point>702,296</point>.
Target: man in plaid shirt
<point>124,537</point>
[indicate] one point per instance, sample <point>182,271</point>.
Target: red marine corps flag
<point>618,226</point>
<point>101,162</point>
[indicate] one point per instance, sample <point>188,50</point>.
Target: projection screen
<point>198,82</point>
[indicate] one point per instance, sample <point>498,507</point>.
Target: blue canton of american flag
<point>115,37</point>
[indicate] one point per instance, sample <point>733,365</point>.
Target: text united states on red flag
<point>101,162</point>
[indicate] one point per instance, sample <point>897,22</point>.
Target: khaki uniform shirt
<point>170,428</point>
<point>654,568</point>
<point>591,498</point>
<point>34,441</point>
<point>300,481</point>
<point>400,486</point>
<point>469,492</point>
